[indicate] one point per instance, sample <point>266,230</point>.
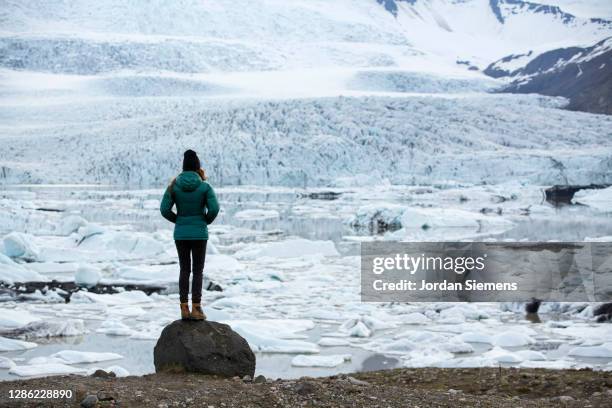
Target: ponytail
<point>171,188</point>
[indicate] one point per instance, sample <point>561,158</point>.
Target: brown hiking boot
<point>197,313</point>
<point>185,315</point>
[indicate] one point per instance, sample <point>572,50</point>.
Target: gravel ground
<point>425,387</point>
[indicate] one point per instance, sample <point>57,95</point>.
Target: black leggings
<point>186,250</point>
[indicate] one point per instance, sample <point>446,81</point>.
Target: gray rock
<point>247,378</point>
<point>204,347</point>
<point>104,395</point>
<point>304,388</point>
<point>355,381</point>
<point>260,379</point>
<point>103,374</point>
<point>89,401</point>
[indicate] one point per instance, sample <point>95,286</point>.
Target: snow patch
<point>328,361</point>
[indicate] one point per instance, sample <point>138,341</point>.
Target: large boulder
<point>204,347</point>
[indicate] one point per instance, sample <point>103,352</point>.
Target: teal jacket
<point>196,206</point>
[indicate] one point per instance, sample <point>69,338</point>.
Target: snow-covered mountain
<point>484,30</point>
<point>582,74</point>
<point>194,36</point>
<point>286,92</point>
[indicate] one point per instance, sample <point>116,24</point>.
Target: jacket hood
<point>188,181</point>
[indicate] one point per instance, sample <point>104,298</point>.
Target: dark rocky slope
<point>400,388</point>
<point>583,75</point>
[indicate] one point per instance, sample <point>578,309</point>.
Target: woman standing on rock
<point>196,207</point>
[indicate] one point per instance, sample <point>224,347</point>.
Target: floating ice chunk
<point>44,360</point>
<point>449,218</point>
<point>126,311</point>
<point>87,275</point>
<point>89,230</point>
<point>114,328</point>
<point>401,346</point>
<point>148,273</point>
<point>14,345</point>
<point>123,298</point>
<point>324,314</point>
<point>15,318</point>
<point>468,311</point>
<point>45,369</point>
<point>256,215</point>
<point>377,324</point>
<point>51,296</point>
<point>211,248</point>
<point>290,248</point>
<point>138,244</point>
<point>426,357</point>
<point>475,337</point>
<point>70,224</point>
<point>559,324</point>
<point>378,217</point>
<point>512,339</point>
<point>333,342</point>
<point>80,357</point>
<point>18,245</point>
<point>438,218</point>
<point>361,327</point>
<point>603,351</point>
<point>282,328</point>
<point>332,360</point>
<point>48,268</point>
<point>222,263</point>
<point>125,244</point>
<point>539,209</point>
<point>357,329</point>
<point>531,355</point>
<point>6,362</point>
<point>457,347</point>
<point>552,364</point>
<point>599,199</point>
<point>268,344</point>
<point>260,337</point>
<point>152,334</point>
<point>467,362</point>
<point>216,315</point>
<point>452,315</point>
<point>49,328</point>
<point>421,336</point>
<point>238,302</point>
<point>415,318</point>
<point>11,272</point>
<point>502,356</point>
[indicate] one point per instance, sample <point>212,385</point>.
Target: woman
<point>196,207</point>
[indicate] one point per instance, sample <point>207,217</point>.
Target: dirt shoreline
<point>423,387</point>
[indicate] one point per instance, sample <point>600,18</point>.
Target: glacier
<point>310,142</point>
<point>307,93</point>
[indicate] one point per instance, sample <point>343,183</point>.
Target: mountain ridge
<point>581,74</point>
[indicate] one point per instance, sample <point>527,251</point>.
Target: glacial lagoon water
<point>256,216</point>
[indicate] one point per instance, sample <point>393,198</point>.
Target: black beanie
<point>191,162</point>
